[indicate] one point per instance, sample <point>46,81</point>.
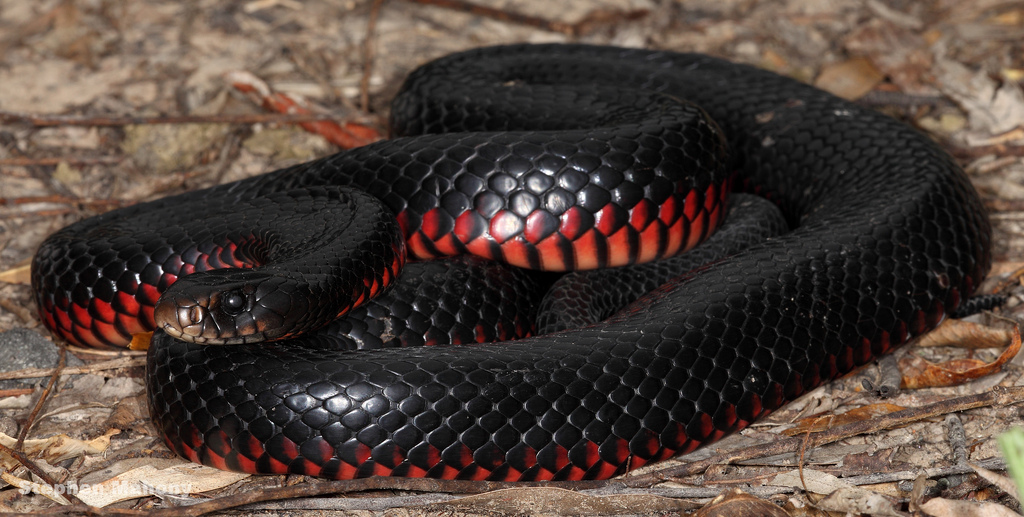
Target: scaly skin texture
<point>889,236</point>
<point>581,298</point>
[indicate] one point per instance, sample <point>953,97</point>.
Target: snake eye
<point>233,302</point>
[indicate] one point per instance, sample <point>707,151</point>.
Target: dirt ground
<point>73,71</point>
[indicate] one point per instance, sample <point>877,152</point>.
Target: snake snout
<point>185,318</point>
<point>214,307</point>
<point>191,320</point>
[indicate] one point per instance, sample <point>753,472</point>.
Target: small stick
<point>62,354</point>
<point>57,160</point>
<point>501,15</point>
<point>368,56</point>
<point>248,118</point>
<point>113,364</point>
<point>68,200</point>
<point>597,18</point>
<point>33,468</point>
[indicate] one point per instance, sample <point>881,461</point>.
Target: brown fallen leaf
<point>144,481</point>
<point>26,486</point>
<point>856,500</point>
<point>824,422</point>
<point>57,448</point>
<point>850,79</point>
<point>1004,483</point>
<point>898,52</point>
<point>993,106</point>
<point>810,480</point>
<point>738,502</point>
<point>920,373</point>
<point>345,135</point>
<point>940,507</point>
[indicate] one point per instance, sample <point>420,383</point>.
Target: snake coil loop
<point>889,236</point>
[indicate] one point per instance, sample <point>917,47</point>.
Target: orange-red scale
<point>575,239</point>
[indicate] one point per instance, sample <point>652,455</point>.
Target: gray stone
<point>24,348</point>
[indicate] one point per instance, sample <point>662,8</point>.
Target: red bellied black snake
<point>545,156</point>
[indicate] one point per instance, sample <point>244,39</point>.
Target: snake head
<point>226,307</point>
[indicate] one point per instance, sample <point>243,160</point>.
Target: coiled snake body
<point>889,237</point>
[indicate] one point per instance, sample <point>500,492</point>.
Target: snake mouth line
<point>174,332</point>
<point>170,330</point>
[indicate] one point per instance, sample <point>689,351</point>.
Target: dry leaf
<point>991,107</point>
<point>818,423</point>
<point>966,334</point>
<point>187,478</point>
<point>939,507</point>
<point>738,502</point>
<point>854,501</point>
<point>813,481</point>
<point>851,79</point>
<point>1004,483</point>
<point>59,447</point>
<point>26,486</point>
<point>919,373</point>
<point>898,52</point>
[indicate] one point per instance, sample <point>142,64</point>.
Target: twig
<point>501,15</point>
<point>350,504</point>
<point>371,30</point>
<point>57,160</point>
<point>67,200</point>
<point>28,373</point>
<point>587,24</point>
<point>33,468</point>
<point>910,475</point>
<point>116,353</point>
<point>800,462</point>
<point>958,444</point>
<point>992,166</point>
<point>62,354</point>
<point>970,153</point>
<point>250,118</point>
<point>16,392</point>
<point>1008,282</point>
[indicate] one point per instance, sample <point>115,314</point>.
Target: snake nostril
<point>195,315</point>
